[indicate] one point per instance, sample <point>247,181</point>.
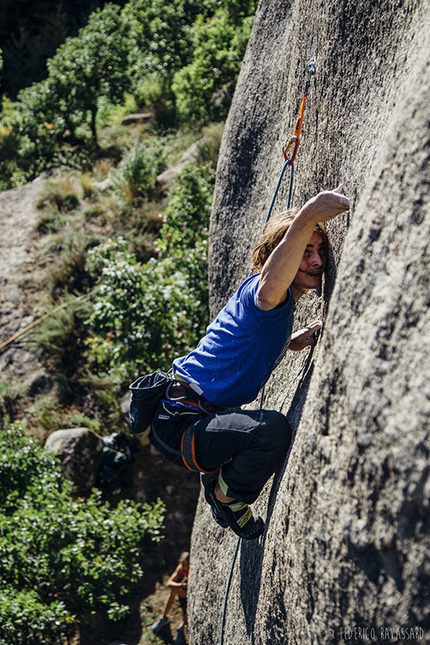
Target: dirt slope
<point>18,217</point>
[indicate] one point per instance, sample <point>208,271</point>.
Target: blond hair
<point>273,234</point>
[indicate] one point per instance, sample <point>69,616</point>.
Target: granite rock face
<point>346,554</point>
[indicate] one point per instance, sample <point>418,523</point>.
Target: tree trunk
<point>93,126</point>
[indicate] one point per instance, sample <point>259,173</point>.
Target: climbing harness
<point>290,153</point>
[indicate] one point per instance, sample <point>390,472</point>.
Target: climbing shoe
<point>159,624</point>
<point>209,483</point>
<point>180,638</point>
<point>237,515</point>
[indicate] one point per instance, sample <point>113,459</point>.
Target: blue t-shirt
<point>241,347</point>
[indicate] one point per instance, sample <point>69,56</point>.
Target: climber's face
<point>311,267</point>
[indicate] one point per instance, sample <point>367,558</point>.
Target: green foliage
<point>11,174</point>
<point>47,131</point>
<point>22,464</point>
<point>62,559</point>
<point>173,37</point>
<point>186,219</point>
<point>47,414</point>
<point>9,399</point>
<point>180,58</point>
<point>162,32</point>
<point>204,88</point>
<point>138,169</point>
<point>52,117</point>
<point>60,330</point>
<point>61,195</point>
<point>30,32</point>
<point>144,315</point>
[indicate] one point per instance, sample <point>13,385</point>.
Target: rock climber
<point>199,422</point>
<point>177,584</point>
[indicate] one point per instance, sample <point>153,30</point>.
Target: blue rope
<point>287,164</point>
<point>290,192</point>
<point>227,590</point>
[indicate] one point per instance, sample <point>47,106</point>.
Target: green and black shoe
<point>237,515</point>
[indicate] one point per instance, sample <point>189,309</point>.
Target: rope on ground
<point>293,144</point>
<point>35,323</point>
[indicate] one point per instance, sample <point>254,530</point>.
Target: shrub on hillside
<point>138,169</point>
<point>61,559</point>
<point>145,314</point>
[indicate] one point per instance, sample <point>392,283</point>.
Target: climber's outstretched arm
<point>280,269</point>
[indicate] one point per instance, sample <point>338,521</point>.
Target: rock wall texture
<point>347,543</point>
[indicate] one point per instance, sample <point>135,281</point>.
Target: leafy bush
<point>138,169</point>
<point>11,173</point>
<point>145,314</point>
<point>61,559</point>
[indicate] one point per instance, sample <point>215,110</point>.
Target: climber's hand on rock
<point>327,205</point>
<point>305,337</point>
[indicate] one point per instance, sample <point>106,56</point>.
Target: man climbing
<point>199,422</point>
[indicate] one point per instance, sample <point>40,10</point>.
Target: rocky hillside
<point>347,540</point>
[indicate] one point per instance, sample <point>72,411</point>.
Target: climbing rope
<point>227,590</point>
<point>290,153</point>
<point>291,148</point>
<point>35,323</point>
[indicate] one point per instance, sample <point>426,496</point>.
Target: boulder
<point>346,551</point>
<point>79,450</point>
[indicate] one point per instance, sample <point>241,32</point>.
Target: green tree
<point>91,66</point>
<point>204,88</point>
<point>165,42</point>
<point>163,32</point>
<point>30,33</point>
<point>49,115</point>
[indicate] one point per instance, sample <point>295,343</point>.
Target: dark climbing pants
<point>249,444</point>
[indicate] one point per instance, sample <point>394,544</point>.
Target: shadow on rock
<point>252,552</point>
